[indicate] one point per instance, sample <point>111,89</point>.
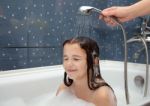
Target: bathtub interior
<point>28,84</point>
<point>116,80</point>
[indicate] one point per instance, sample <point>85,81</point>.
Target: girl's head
<point>81,59</point>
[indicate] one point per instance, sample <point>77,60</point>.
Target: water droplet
<point>34,5</point>
<point>8,6</point>
<point>9,32</point>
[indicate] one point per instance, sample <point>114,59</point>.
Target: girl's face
<point>74,61</point>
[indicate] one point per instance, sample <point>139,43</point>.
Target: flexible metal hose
<point>125,63</point>
<point>147,65</point>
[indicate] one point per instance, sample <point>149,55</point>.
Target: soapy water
<point>65,98</point>
<point>16,101</point>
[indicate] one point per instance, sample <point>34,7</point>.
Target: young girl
<point>82,74</point>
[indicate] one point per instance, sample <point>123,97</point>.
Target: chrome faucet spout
<point>133,39</point>
<point>137,39</point>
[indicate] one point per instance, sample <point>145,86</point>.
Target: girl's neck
<point>80,83</point>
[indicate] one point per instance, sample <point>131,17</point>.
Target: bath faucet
<point>143,38</point>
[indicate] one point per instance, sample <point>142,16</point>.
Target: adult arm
<point>126,13</point>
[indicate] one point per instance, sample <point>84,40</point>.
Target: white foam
<point>65,98</point>
<point>16,101</point>
<point>68,99</point>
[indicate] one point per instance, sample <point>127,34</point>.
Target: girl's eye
<point>65,59</point>
<point>76,59</point>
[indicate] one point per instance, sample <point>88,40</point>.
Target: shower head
<point>87,10</point>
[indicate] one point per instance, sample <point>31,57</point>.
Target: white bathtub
<point>34,82</point>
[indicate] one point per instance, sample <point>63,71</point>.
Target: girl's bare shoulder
<point>104,96</point>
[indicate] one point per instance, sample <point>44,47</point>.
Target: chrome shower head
<point>87,10</point>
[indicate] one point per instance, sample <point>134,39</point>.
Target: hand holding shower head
<point>87,10</point>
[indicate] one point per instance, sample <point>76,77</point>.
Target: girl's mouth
<point>71,71</point>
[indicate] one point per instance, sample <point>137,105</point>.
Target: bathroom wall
<point>32,31</point>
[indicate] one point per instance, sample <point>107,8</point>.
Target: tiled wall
<point>32,31</point>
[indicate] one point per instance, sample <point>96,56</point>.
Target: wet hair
<point>91,48</point>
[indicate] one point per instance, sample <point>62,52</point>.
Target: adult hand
<point>121,13</point>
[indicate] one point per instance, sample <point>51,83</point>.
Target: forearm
<point>140,9</point>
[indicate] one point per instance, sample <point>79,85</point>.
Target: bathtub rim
<point>103,63</point>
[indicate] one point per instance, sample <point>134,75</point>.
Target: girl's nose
<point>69,63</point>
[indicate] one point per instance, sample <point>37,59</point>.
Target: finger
<point>101,17</point>
<point>109,11</point>
<point>124,19</point>
<point>107,19</point>
<point>113,23</point>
